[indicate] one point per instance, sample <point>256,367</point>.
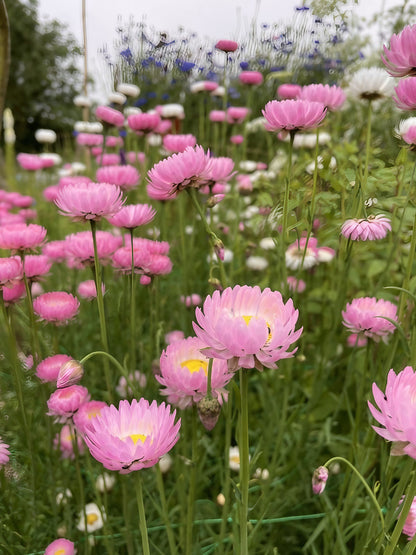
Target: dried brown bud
<point>209,410</point>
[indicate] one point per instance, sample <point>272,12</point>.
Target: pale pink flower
<point>183,373</point>
<point>80,246</point>
<point>177,172</point>
<point>226,45</point>
<point>36,265</point>
<point>61,546</point>
<point>88,290</point>
<point>366,229</point>
<point>357,340</point>
<point>55,250</point>
<point>86,412</point>
<point>11,271</point>
<point>295,284</point>
<point>251,77</point>
<point>288,91</point>
<point>406,94</point>
<point>400,59</point>
<point>28,214</point>
<point>126,176</point>
<point>237,114</point>
<point>409,527</point>
<point>144,261</point>
<point>109,115</point>
<point>293,115</point>
<point>89,201</point>
<point>236,139</point>
<point>18,200</point>
<point>302,254</point>
<point>178,143</point>
<point>132,437</point>
<point>4,453</point>
<point>133,215</point>
<point>396,411</point>
<point>136,378</point>
<point>154,247</point>
<point>217,116</point>
<point>112,141</point>
<point>64,441</point>
<point>136,157</point>
<point>89,139</point>
<point>319,479</point>
<point>220,171</point>
<point>248,327</point>
<point>56,306</point>
<point>65,402</point>
<point>410,136</point>
<point>175,335</point>
<point>143,123</point>
<point>331,96</point>
<point>22,237</point>
<point>50,193</point>
<point>367,317</point>
<point>69,374</point>
<point>108,159</point>
<point>191,300</point>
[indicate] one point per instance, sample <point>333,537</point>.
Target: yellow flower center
<point>136,437</point>
<point>60,552</point>
<point>93,413</point>
<point>195,365</point>
<point>91,518</point>
<point>235,459</point>
<point>247,320</point>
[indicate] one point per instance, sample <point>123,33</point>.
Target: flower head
<point>248,327</point>
<point>370,317</point>
<point>371,84</point>
<point>406,94</point>
<point>226,45</point>
<point>333,97</point>
<point>293,115</point>
<point>80,246</point>
<point>143,123</point>
<point>22,237</point>
<point>400,58</point>
<point>251,77</point>
<point>65,440</point>
<point>89,201</point>
<point>11,271</point>
<point>409,527</point>
<point>366,229</point>
<point>88,290</point>
<point>4,453</point>
<point>133,215</point>
<point>86,412</point>
<point>126,177</point>
<point>319,479</point>
<point>132,436</point>
<point>56,306</point>
<point>288,91</point>
<point>65,402</point>
<point>109,115</point>
<point>178,143</point>
<point>60,546</point>
<point>95,518</point>
<point>48,369</point>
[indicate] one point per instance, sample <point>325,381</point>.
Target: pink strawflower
<point>109,115</point>
<point>288,91</point>
<point>88,290</point>
<point>144,261</point>
<point>220,171</point>
<point>178,143</point>
<point>55,250</point>
<point>70,373</point>
<point>248,327</point>
<point>177,172</point>
<point>226,45</point>
<point>396,411</point>
<point>251,77</point>
<point>80,246</point>
<point>153,247</point>
<point>333,97</point>
<point>64,441</point>
<point>60,547</point>
<point>36,266</point>
<point>30,162</point>
<point>293,115</point>
<point>89,201</point>
<point>409,527</point>
<point>15,293</point>
<point>89,139</point>
<point>236,139</point>
<point>11,271</point>
<point>126,177</point>
<point>175,335</point>
<point>410,136</point>
<point>406,94</point>
<point>183,373</point>
<point>217,116</point>
<point>136,379</point>
<point>366,229</point>
<point>133,215</point>
<point>22,237</point>
<point>400,59</point>
<point>319,479</point>
<point>108,159</point>
<point>367,317</point>
<point>4,453</point>
<point>191,300</point>
<point>50,193</point>
<point>295,284</point>
<point>86,412</point>
<point>113,142</point>
<point>132,437</point>
<point>236,114</point>
<point>143,123</point>
<point>56,306</point>
<point>65,402</point>
<point>18,200</point>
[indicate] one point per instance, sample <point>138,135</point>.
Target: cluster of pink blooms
<point>304,253</point>
<point>369,317</point>
<point>150,258</point>
<point>366,229</point>
<point>34,162</point>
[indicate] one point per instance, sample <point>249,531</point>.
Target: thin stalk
<point>165,512</point>
<point>81,490</point>
<point>227,481</point>
<point>116,363</point>
<point>408,500</point>
<point>408,275</point>
<point>132,310</point>
<point>367,149</point>
<point>142,515</point>
<point>192,484</point>
<point>126,515</point>
<point>244,461</point>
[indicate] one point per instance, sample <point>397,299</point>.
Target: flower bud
<point>70,373</point>
<point>208,411</point>
<point>319,478</point>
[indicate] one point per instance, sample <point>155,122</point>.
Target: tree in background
<point>44,76</point>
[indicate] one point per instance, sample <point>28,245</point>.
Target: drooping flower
<point>319,479</point>
<point>56,306</point>
<point>406,94</point>
<point>396,411</point>
<point>367,316</point>
<point>69,374</point>
<point>400,58</point>
<point>89,201</point>
<point>248,327</point>
<point>48,369</point>
<point>366,229</point>
<point>65,402</point>
<point>293,115</point>
<point>183,373</point>
<point>60,546</point>
<point>4,453</point>
<point>132,436</point>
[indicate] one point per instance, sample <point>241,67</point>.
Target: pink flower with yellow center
<point>248,327</point>
<point>133,436</point>
<point>184,370</point>
<point>61,546</point>
<point>86,412</point>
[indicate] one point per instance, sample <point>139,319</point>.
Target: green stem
<point>192,484</point>
<point>244,461</point>
<point>132,310</point>
<point>408,275</point>
<point>116,363</point>
<point>81,491</point>
<point>227,481</point>
<point>406,505</point>
<point>209,376</point>
<point>367,149</point>
<point>126,515</point>
<point>165,513</point>
<point>142,515</point>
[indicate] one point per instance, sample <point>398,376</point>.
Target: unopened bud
<point>214,200</point>
<point>70,373</point>
<point>219,249</point>
<point>221,499</point>
<point>209,410</point>
<point>319,478</point>
<point>215,283</point>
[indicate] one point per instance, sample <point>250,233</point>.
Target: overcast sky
<point>217,19</point>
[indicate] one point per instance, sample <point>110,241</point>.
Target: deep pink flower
<point>226,45</point>
<point>236,139</point>
<point>288,91</point>
<point>15,293</point>
<point>65,402</point>
<point>11,271</point>
<point>366,229</point>
<point>60,546</point>
<point>30,162</point>
<point>400,59</point>
<point>397,411</point>
<point>367,316</point>
<point>87,289</point>
<point>57,306</point>
<point>86,412</point>
<point>4,453</point>
<point>217,116</point>
<point>248,327</point>
<point>143,123</point>
<point>251,77</point>
<point>126,177</point>
<point>178,143</point>
<point>406,94</point>
<point>333,97</point>
<point>237,114</point>
<point>80,246</point>
<point>132,437</point>
<point>108,159</point>
<point>89,201</point>
<point>319,479</point>
<point>183,373</point>
<point>133,215</point>
<point>55,250</point>
<point>64,441</point>
<point>409,527</point>
<point>109,115</point>
<point>177,172</point>
<point>293,115</point>
<point>36,265</point>
<point>22,237</point>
